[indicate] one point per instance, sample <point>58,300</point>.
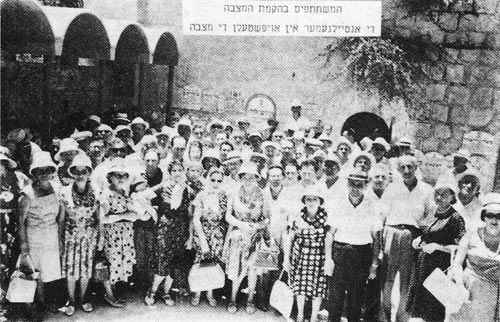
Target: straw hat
<point>78,136</point>
<point>66,145</point>
<point>122,127</point>
<point>11,163</point>
<point>118,166</point>
<point>357,175</point>
<point>314,142</point>
<point>272,144</point>
<point>248,168</point>
<point>42,159</point>
<point>343,140</point>
<point>139,121</point>
<point>332,157</point>
<point>405,141</point>
<point>381,141</point>
<point>166,131</point>
<point>178,142</point>
<point>122,118</point>
<point>94,118</point>
<point>366,143</point>
<point>213,154</point>
<point>313,191</point>
<point>117,143</point>
<point>80,160</point>
<point>491,203</point>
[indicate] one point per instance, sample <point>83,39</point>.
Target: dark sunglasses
<point>290,172</point>
<point>215,180</point>
<point>43,171</point>
<point>492,215</point>
<point>79,172</point>
<point>118,175</point>
<point>198,133</point>
<point>117,150</point>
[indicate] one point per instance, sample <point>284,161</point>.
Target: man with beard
<point>469,204</point>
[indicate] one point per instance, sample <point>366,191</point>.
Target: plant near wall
<point>431,7</point>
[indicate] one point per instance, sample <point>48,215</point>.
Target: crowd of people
<point>345,218</point>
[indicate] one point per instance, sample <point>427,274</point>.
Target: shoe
<point>69,308</point>
<point>251,308</point>
<point>211,301</point>
<point>195,300</point>
<point>113,302</point>
<point>168,300</point>
<point>232,308</point>
<point>150,298</point>
<point>87,307</point>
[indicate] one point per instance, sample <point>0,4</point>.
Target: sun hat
<point>215,169</point>
<point>366,143</point>
<point>472,173</point>
<point>324,137</point>
<point>122,127</point>
<point>363,154</point>
<point>313,191</point>
<point>286,144</point>
<point>295,103</point>
<point>314,142</point>
<point>343,140</point>
<point>462,153</point>
<point>166,131</point>
<point>66,145</point>
<point>94,118</point>
<point>491,203</point>
<point>121,117</point>
<point>184,122</point>
<point>255,134</point>
<point>11,163</point>
<point>249,168</point>
<point>80,160</point>
<point>42,159</point>
<point>104,127</point>
<point>405,141</point>
<point>117,166</point>
<point>271,144</point>
<point>299,135</point>
<point>332,157</point>
<point>139,120</point>
<point>81,135</point>
<point>233,156</point>
<point>213,154</point>
<point>381,141</point>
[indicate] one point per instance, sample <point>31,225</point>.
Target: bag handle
<point>30,261</point>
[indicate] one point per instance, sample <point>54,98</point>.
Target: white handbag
<point>205,277</point>
<point>446,291</point>
<point>21,289</point>
<point>282,297</point>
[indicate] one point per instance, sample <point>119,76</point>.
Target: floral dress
<point>80,232</point>
<point>172,234</point>
<point>240,247</point>
<point>308,255</point>
<point>118,237</point>
<point>212,206</point>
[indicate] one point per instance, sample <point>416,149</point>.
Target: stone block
<point>436,92</point>
<point>492,40</point>
<point>436,72</point>
<point>452,55</point>
<point>437,36</point>
<point>490,57</point>
<point>493,77</point>
<point>476,39</point>
<point>481,98</point>
<point>406,22</point>
<point>420,112</point>
<point>458,95</point>
<point>440,112</point>
<point>469,55</point>
<point>455,73</point>
<point>422,129</point>
<point>478,23</point>
<point>450,145</point>
<point>431,144</point>
<point>459,114</point>
<point>486,6</point>
<point>442,131</point>
<point>448,21</point>
<point>480,117</point>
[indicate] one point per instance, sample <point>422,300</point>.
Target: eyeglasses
<point>119,175</point>
<point>79,172</point>
<point>310,199</point>
<point>290,172</point>
<point>492,215</point>
<point>43,171</point>
<point>198,133</point>
<point>117,150</point>
<point>215,180</point>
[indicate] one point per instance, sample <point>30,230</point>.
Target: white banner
<point>355,18</point>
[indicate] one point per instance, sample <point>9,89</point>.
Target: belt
<point>336,243</point>
<point>403,226</point>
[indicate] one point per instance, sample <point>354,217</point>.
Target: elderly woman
<point>480,249</point>
<point>307,252</point>
<point>80,231</point>
<point>343,149</point>
<point>435,245</point>
<point>172,233</point>
<point>41,217</point>
<point>209,221</point>
<point>249,222</point>
<point>117,218</point>
<point>364,161</point>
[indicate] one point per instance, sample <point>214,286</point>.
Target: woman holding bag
<point>81,229</point>
<point>41,218</point>
<point>480,249</point>
<point>210,226</point>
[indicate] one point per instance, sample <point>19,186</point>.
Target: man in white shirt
<point>297,122</point>
<point>410,205</point>
<point>351,247</point>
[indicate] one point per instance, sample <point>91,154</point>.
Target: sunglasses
<point>198,133</point>
<point>43,171</point>
<point>79,172</point>
<point>215,180</point>
<point>310,199</point>
<point>492,215</point>
<point>119,175</point>
<point>117,150</point>
<point>290,172</point>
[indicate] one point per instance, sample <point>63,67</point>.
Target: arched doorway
<point>367,124</point>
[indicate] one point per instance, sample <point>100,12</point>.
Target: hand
<point>430,248</point>
<point>457,275</point>
<point>25,248</point>
<point>416,243</point>
<point>329,266</point>
<point>100,244</point>
<point>373,272</point>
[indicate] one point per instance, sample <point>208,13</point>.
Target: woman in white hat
<point>68,149</point>
<point>248,225</point>
<point>80,231</point>
<point>117,218</point>
<point>434,248</point>
<point>41,216</point>
<point>480,249</point>
<point>306,253</point>
<point>209,220</point>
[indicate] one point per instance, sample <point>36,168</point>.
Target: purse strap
<point>30,261</point>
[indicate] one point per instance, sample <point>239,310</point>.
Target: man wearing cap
<point>410,205</point>
<point>83,138</point>
<point>120,119</point>
<point>297,121</point>
<point>139,128</point>
<point>351,247</point>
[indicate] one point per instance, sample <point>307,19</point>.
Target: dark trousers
<point>352,264</point>
<point>373,295</point>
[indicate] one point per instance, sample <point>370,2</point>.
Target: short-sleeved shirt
<point>354,225</point>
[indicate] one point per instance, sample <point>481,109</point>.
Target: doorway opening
<point>367,124</point>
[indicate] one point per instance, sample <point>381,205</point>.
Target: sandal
<point>195,300</point>
<point>150,298</point>
<point>87,307</point>
<point>113,302</point>
<point>211,301</point>
<point>232,308</point>
<point>251,309</point>
<point>69,308</point>
<point>168,300</point>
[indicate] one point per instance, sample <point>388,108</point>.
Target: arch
<point>25,30</point>
<point>166,52</point>
<point>132,46</point>
<point>85,37</point>
<point>367,124</point>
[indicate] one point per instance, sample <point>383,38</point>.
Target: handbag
<point>446,291</point>
<point>267,257</point>
<point>206,276</point>
<point>101,267</point>
<point>281,297</point>
<point>22,287</point>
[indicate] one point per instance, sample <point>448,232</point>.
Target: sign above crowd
<point>282,18</point>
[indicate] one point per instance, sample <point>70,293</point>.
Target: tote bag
<point>206,276</point>
<point>449,293</point>
<point>282,297</point>
<point>21,289</point>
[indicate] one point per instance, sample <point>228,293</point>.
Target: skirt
<point>79,250</point>
<point>307,276</point>
<point>119,250</point>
